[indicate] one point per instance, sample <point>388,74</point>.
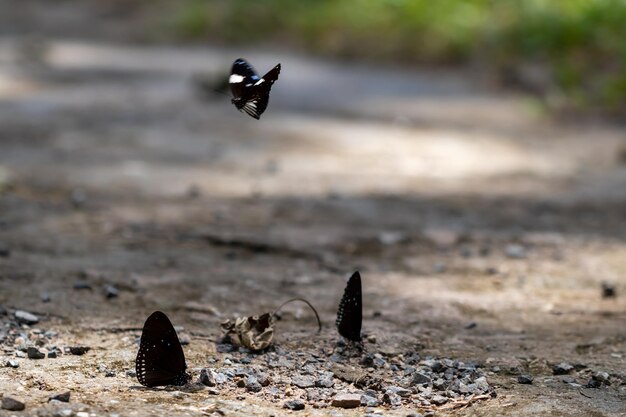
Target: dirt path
<point>482,231</point>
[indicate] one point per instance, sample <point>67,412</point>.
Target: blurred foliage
<point>575,49</point>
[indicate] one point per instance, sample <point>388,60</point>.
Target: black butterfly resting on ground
<point>250,92</point>
<point>160,360</point>
<point>350,312</point>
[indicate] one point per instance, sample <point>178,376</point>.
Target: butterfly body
<point>250,92</point>
<point>160,360</point>
<point>350,311</point>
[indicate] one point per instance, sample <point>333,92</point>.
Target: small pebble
<point>82,285</point>
<point>420,378</point>
<point>110,291</point>
<point>44,297</point>
<point>63,397</point>
<point>303,381</point>
<point>12,404</point>
<point>593,383</point>
<point>515,251</point>
<point>78,197</point>
<point>346,400</point>
<point>12,363</point>
<point>439,400</point>
<point>525,379</point>
<point>52,354</point>
<point>562,368</point>
<point>24,317</point>
<point>294,405</point>
<point>369,401</point>
<point>34,353</point>
<point>5,251</point>
<point>79,350</point>
<point>252,384</point>
<point>325,381</point>
<point>392,399</point>
<point>207,378</point>
<point>608,290</point>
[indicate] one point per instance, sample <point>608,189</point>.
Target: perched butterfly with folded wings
<point>251,93</point>
<point>160,360</point>
<point>350,312</point>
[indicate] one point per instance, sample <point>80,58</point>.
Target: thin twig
<point>319,322</point>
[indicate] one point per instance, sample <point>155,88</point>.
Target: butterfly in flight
<point>350,312</point>
<point>251,92</point>
<point>160,360</point>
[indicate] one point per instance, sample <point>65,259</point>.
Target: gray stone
<point>325,380</point>
<point>12,363</point>
<point>436,366</point>
<point>313,395</point>
<point>294,405</point>
<point>562,368</point>
<point>252,384</point>
<point>403,392</point>
<point>369,401</point>
<point>515,251</point>
<point>52,354</point>
<point>24,317</point>
<point>602,377</point>
<point>439,399</point>
<point>482,384</point>
<point>346,400</point>
<point>79,350</point>
<point>34,353</point>
<point>207,378</point>
<point>110,291</point>
<point>12,404</point>
<point>420,378</point>
<point>63,397</point>
<point>525,379</point>
<point>263,379</point>
<point>303,381</point>
<point>220,378</point>
<point>392,399</point>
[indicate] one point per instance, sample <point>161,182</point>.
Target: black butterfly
<point>160,360</point>
<point>350,312</point>
<point>250,92</point>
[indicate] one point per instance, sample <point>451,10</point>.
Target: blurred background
<point>469,156</point>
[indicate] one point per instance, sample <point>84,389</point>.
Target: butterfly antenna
<point>319,322</point>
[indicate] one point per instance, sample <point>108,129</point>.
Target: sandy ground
<point>483,231</point>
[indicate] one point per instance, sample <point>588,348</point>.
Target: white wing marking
<point>235,78</point>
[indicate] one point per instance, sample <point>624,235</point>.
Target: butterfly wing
<point>260,94</point>
<point>242,77</point>
<point>160,360</point>
<point>250,92</point>
<point>350,312</point>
